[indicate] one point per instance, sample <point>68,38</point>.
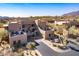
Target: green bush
<point>30,45</point>
<point>73,30</point>
<point>3,35</point>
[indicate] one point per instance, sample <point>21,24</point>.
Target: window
<point>19,41</point>
<point>37,33</point>
<point>33,30</point>
<point>23,26</point>
<point>33,35</point>
<point>49,35</point>
<point>24,44</point>
<point>32,25</point>
<point>23,30</point>
<point>14,42</point>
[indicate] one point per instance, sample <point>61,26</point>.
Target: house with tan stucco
<point>22,30</point>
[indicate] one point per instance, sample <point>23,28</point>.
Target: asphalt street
<point>47,51</point>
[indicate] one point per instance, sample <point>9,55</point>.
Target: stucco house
<point>16,34</point>
<point>61,22</point>
<point>21,30</point>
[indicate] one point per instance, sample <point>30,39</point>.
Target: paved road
<point>47,51</point>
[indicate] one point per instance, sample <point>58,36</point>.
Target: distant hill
<point>76,13</point>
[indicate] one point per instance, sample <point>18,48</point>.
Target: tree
<point>20,52</point>
<point>73,30</point>
<point>52,25</point>
<point>77,20</point>
<point>63,40</point>
<point>30,45</point>
<point>3,21</point>
<point>3,34</point>
<point>62,34</point>
<point>1,24</point>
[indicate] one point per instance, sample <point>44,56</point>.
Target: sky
<point>36,9</point>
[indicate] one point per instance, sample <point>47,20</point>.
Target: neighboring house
<point>5,26</point>
<point>43,28</point>
<point>61,22</point>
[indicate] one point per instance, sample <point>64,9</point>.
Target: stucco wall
<point>45,34</point>
<point>22,38</point>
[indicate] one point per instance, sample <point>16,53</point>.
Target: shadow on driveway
<point>73,48</point>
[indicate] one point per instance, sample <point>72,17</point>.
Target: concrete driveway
<point>47,51</point>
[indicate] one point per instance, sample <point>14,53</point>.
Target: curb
<point>55,48</point>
